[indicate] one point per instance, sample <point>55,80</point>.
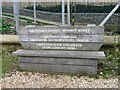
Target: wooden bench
<point>61,49</point>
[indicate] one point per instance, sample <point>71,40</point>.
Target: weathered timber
<point>54,61</point>
<point>62,46</point>
<point>61,49</point>
<point>58,61</point>
<point>58,68</point>
<point>62,38</point>
<point>61,54</point>
<point>61,30</point>
<point>13,39</point>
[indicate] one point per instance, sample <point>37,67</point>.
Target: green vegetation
<point>6,27</point>
<point>8,61</point>
<point>112,29</point>
<point>111,65</point>
<point>24,21</point>
<point>9,15</point>
<point>79,8</point>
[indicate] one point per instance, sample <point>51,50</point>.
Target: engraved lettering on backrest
<point>65,38</point>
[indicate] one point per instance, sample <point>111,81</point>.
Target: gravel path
<point>37,80</point>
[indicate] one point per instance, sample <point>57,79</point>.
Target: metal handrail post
<point>110,14</point>
<point>16,13</point>
<point>0,8</point>
<point>34,11</point>
<point>63,12</point>
<point>68,12</point>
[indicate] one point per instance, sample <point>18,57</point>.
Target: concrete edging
<point>4,39</point>
<point>14,39</point>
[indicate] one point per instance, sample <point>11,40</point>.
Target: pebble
<point>37,80</point>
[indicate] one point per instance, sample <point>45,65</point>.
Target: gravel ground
<point>37,80</point>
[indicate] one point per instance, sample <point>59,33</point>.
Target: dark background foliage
<point>79,8</point>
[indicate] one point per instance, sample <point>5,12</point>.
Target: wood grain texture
<point>62,38</point>
<point>62,54</point>
<point>108,40</point>
<point>61,49</point>
<point>58,68</point>
<point>90,46</point>
<point>59,29</point>
<point>90,37</point>
<point>59,61</point>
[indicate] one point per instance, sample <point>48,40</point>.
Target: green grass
<point>9,62</point>
<point>112,29</point>
<point>6,26</point>
<point>26,20</point>
<point>110,66</point>
<point>9,15</point>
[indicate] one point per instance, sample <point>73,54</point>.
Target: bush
<point>111,65</point>
<point>5,27</point>
<point>79,8</point>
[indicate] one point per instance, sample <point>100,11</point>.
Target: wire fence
<point>112,25</point>
<point>27,3</point>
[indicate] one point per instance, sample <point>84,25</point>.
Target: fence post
<point>63,12</point>
<point>0,8</point>
<point>16,13</point>
<point>68,11</point>
<point>34,11</point>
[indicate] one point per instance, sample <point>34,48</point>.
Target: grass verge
<point>9,62</point>
<point>110,66</point>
